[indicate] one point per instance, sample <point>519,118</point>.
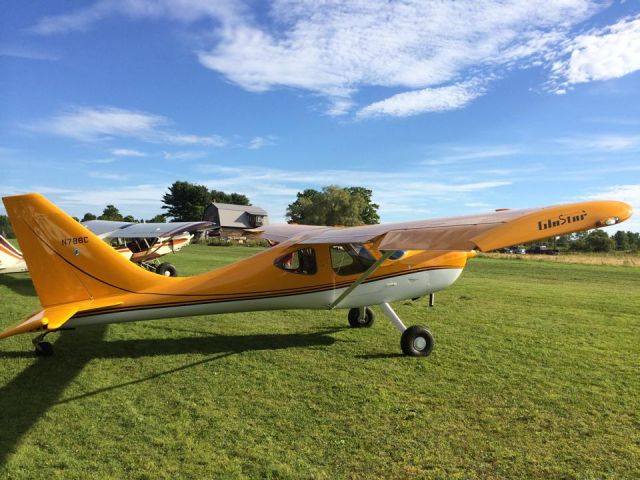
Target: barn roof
<point>240,208</point>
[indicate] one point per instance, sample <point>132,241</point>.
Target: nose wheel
<point>416,341</point>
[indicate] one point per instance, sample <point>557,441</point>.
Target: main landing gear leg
<point>42,348</point>
<point>416,341</point>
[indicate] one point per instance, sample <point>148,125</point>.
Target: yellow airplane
<point>81,280</point>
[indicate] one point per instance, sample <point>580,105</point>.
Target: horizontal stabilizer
<point>54,318</point>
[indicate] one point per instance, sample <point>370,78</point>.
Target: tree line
<point>597,241</point>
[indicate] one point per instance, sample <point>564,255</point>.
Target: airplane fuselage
<point>259,283</point>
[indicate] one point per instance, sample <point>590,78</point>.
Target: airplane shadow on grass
<point>30,394</point>
<point>19,284</point>
<point>38,387</point>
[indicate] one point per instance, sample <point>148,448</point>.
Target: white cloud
<point>603,54</point>
<point>257,143</point>
<point>430,51</point>
<point>426,100</point>
<point>103,123</point>
<point>183,155</point>
<point>146,199</point>
<point>455,154</point>
<point>274,189</point>
<point>189,139</point>
<point>602,143</point>
<point>108,176</point>
<point>28,53</point>
<point>93,123</point>
<point>99,161</point>
<point>481,205</point>
<point>185,11</point>
<point>126,152</point>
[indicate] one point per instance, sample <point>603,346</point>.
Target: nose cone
<point>620,210</point>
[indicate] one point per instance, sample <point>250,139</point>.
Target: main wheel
<point>44,349</point>
<point>355,321</point>
<point>167,269</point>
<point>417,341</point>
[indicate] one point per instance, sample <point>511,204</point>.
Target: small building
<point>235,219</point>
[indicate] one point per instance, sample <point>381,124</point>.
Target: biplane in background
<point>144,243</point>
<point>81,281</point>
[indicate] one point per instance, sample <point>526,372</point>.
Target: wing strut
<point>362,278</point>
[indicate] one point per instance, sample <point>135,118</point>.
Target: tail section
<point>67,262</point>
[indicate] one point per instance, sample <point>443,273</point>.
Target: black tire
<point>167,270</point>
<point>356,322</point>
<point>44,349</point>
<point>417,341</point>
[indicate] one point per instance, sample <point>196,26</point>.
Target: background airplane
<point>144,243</point>
<point>11,260</point>
<point>81,281</point>
<point>141,243</point>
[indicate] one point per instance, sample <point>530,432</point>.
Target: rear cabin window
<point>301,261</point>
<point>350,258</point>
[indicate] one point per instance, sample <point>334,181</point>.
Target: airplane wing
<point>484,232</point>
<point>282,233</point>
<point>108,229</point>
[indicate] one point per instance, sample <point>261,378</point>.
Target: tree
<point>233,198</point>
<point>160,218</point>
<point>129,218</point>
<point>333,206</point>
<point>186,201</point>
<point>88,216</point>
<point>622,240</point>
<point>599,241</point>
<point>563,241</point>
<point>634,240</point>
<point>5,227</point>
<point>111,213</point>
<point>369,213</point>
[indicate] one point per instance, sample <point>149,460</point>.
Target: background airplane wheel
<point>167,269</point>
<point>44,349</point>
<point>356,322</point>
<point>417,341</point>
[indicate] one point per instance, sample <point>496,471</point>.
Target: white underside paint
<point>411,285</point>
<point>17,267</point>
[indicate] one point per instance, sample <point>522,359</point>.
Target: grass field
<point>623,259</point>
<point>535,374</point>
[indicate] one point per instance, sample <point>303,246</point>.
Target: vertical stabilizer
<point>67,262</point>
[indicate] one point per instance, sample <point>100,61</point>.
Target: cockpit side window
<point>302,261</point>
<point>350,258</point>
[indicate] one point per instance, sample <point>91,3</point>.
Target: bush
<point>217,242</point>
<point>220,242</point>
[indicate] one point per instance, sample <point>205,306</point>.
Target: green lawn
<point>535,374</point>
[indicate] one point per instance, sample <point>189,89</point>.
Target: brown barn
<point>235,219</point>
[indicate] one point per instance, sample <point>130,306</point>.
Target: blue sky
<point>441,108</point>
